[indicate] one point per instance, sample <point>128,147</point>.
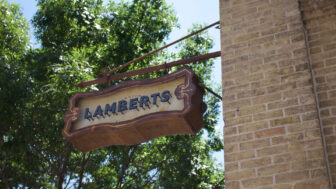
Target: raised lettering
<point>165,96</point>
<point>98,112</point>
<point>144,100</point>
<point>122,105</point>
<point>87,114</point>
<point>109,108</point>
<point>154,96</point>
<point>133,103</point>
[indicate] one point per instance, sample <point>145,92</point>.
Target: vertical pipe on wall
<point>316,97</point>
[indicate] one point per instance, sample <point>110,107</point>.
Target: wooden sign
<point>135,111</point>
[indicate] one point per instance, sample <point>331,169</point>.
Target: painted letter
<point>109,108</point>
<point>87,114</point>
<point>144,100</point>
<point>133,103</point>
<point>122,105</point>
<point>154,96</point>
<point>165,96</point>
<point>98,112</point>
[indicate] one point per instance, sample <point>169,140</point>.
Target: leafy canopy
<point>78,38</point>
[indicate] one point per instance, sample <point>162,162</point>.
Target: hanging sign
<point>135,111</point>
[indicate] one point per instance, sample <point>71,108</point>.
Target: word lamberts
<point>123,105</point>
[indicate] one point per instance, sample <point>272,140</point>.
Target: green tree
<point>79,38</point>
<point>15,85</point>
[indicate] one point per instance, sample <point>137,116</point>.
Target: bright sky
<point>202,12</point>
<point>189,12</point>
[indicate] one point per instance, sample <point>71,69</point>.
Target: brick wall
<point>272,135</point>
<point>320,22</point>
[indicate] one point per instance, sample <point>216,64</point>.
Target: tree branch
<point>42,156</point>
<point>219,183</point>
<point>64,166</point>
<point>125,165</point>
<point>46,159</point>
<point>68,182</point>
<point>150,180</point>
<point>81,172</point>
<point>139,24</point>
<point>3,176</point>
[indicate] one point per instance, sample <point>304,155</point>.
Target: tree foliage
<point>78,39</point>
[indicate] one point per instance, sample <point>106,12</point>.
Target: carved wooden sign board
<point>135,111</point>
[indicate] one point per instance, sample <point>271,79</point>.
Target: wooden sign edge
<point>191,93</point>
